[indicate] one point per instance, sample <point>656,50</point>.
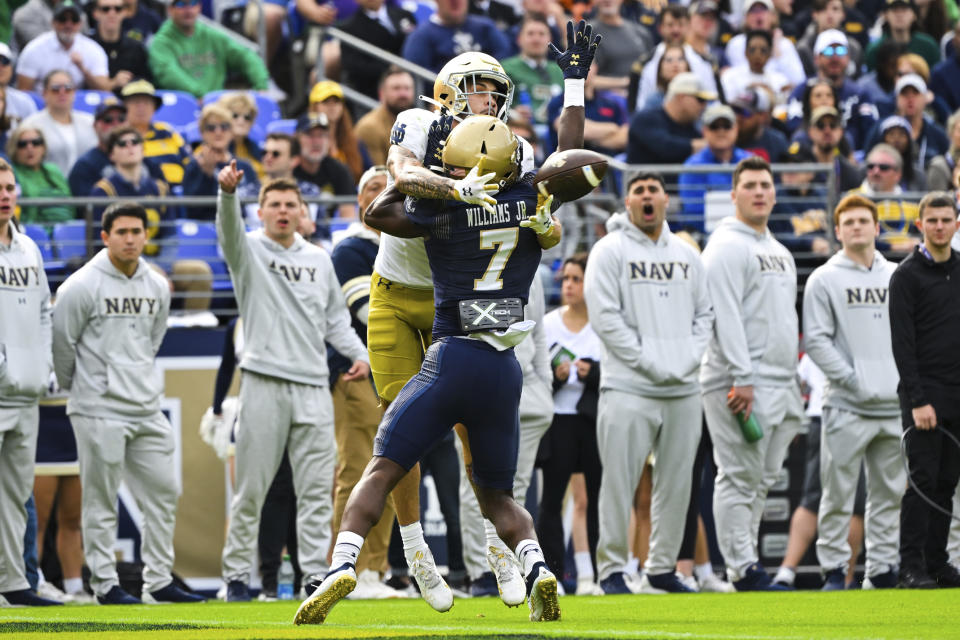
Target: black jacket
<point>925,330</point>
<point>363,70</point>
<point>590,398</point>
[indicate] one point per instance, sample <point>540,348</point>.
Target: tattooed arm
<point>414,179</point>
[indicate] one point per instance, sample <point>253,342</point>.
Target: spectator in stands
<point>200,176</point>
<point>31,20</point>
<point>316,165</point>
<point>945,77</point>
<point>396,94</point>
<point>502,12</point>
<point>623,42</point>
<point>882,185</point>
<point>900,25</point>
<point>327,97</point>
<point>672,62</point>
<point>930,138</point>
<point>825,134</point>
<point>321,12</point>
<point>69,133</point>
<point>89,167</point>
<point>760,15</point>
<point>912,63</point>
<point>827,15</point>
<point>754,133</point>
<point>162,145</point>
<point>820,93</point>
<point>19,105</point>
<point>274,16</point>
<point>26,149</point>
<point>672,30</point>
<point>669,133</point>
<point>754,71</point>
<point>189,56</point>
<point>720,134</point>
<point>897,132</point>
<point>799,216</point>
<point>243,113</point>
<point>64,48</point>
<point>940,171</point>
<point>451,31</point>
<point>382,25</point>
<point>533,75</point>
<point>126,57</point>
<point>605,127</point>
<point>703,31</point>
<point>281,155</point>
<point>878,85</point>
<point>832,57</point>
<point>140,22</point>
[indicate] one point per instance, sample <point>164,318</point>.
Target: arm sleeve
<point>99,65</point>
<point>354,273</point>
<point>81,178</point>
<point>231,233</point>
<point>820,331</point>
<point>339,332</point>
<point>241,59</point>
<point>46,315</point>
<point>228,364</point>
<point>703,315</point>
<point>725,280</point>
<point>160,321</point>
<point>72,312</point>
<point>904,337</point>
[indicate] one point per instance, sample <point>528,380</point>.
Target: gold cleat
<point>544,605</point>
<point>332,590</point>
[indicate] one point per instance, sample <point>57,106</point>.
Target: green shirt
<point>198,64</point>
<point>920,43</point>
<point>542,83</point>
<point>45,181</point>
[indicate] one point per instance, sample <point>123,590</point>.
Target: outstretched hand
<point>581,47</point>
<point>229,177</point>
<point>476,189</point>
<point>542,220</point>
<point>436,138</point>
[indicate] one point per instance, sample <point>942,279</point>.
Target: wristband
<point>572,93</point>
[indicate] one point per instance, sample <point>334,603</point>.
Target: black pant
<point>443,463</point>
<point>570,445</point>
<point>278,528</point>
<point>704,451</point>
<point>935,468</point>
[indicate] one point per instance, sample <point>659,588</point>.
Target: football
<point>570,174</point>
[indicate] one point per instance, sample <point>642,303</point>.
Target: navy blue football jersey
<point>476,254</point>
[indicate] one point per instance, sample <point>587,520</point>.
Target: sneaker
<point>662,583</point>
<point>542,586</point>
<point>267,595</point>
<point>28,598</point>
<point>587,587</point>
<point>886,580</point>
<point>947,577</point>
<point>715,584</point>
<point>834,580</point>
<point>755,578</point>
<point>49,591</point>
<point>614,584</point>
<point>915,578</point>
<point>433,587</point>
<point>170,594</point>
<point>338,583</point>
<point>369,587</point>
<point>80,598</point>
<point>484,586</point>
<point>510,583</point>
<point>632,580</point>
<point>237,591</point>
<point>117,595</point>
<point>689,582</point>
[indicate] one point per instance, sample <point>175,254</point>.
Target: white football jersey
<point>404,260</point>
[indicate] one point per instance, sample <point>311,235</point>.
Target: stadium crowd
<point>650,399</point>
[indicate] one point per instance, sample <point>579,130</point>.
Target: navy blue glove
<point>436,137</point>
<point>576,60</point>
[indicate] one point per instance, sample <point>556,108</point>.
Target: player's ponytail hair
<point>279,184</point>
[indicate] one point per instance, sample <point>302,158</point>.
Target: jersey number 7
<point>504,241</point>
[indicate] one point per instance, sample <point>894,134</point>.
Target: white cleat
<point>715,584</point>
<point>369,587</point>
<point>332,590</point>
<point>689,582</point>
<point>433,587</point>
<point>510,583</point>
<point>544,605</point>
<point>587,587</point>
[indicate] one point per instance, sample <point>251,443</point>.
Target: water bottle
<point>285,579</point>
<point>749,427</point>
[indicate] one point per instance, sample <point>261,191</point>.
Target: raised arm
<point>575,63</point>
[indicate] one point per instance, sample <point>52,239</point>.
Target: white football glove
<point>542,220</point>
<point>474,189</point>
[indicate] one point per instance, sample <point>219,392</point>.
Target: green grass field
<point>855,614</point>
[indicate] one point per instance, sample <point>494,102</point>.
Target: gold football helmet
<point>459,77</point>
<point>487,143</point>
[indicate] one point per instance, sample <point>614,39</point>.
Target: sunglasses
<point>246,116</point>
<point>273,153</point>
<point>210,128</point>
<point>68,17</point>
<point>23,143</point>
<point>721,125</point>
<point>128,142</point>
<point>185,3</point>
<point>113,119</point>
<point>827,125</point>
<point>57,88</point>
<point>880,166</point>
<point>834,50</point>
<point>4,61</point>
<point>107,8</point>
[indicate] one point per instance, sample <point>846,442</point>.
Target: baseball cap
<point>67,5</point>
<point>890,4</point>
<point>108,105</point>
<point>325,89</point>
<point>822,112</point>
<point>718,112</point>
<point>306,123</point>
<point>829,37</point>
<point>752,3</point>
<point>892,122</point>
<point>752,100</point>
<point>688,84</point>
<point>705,6</point>
<point>798,153</point>
<point>140,88</point>
<point>910,80</point>
<point>5,51</point>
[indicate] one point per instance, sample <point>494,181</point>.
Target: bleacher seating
<point>179,109</point>
<point>197,240</point>
<point>287,125</point>
<point>88,101</point>
<point>38,234</point>
<point>70,239</point>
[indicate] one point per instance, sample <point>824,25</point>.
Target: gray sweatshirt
<point>290,301</point>
<point>753,286</point>
<point>846,330</point>
<point>107,329</point>
<point>532,353</point>
<point>25,324</point>
<point>648,303</point>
